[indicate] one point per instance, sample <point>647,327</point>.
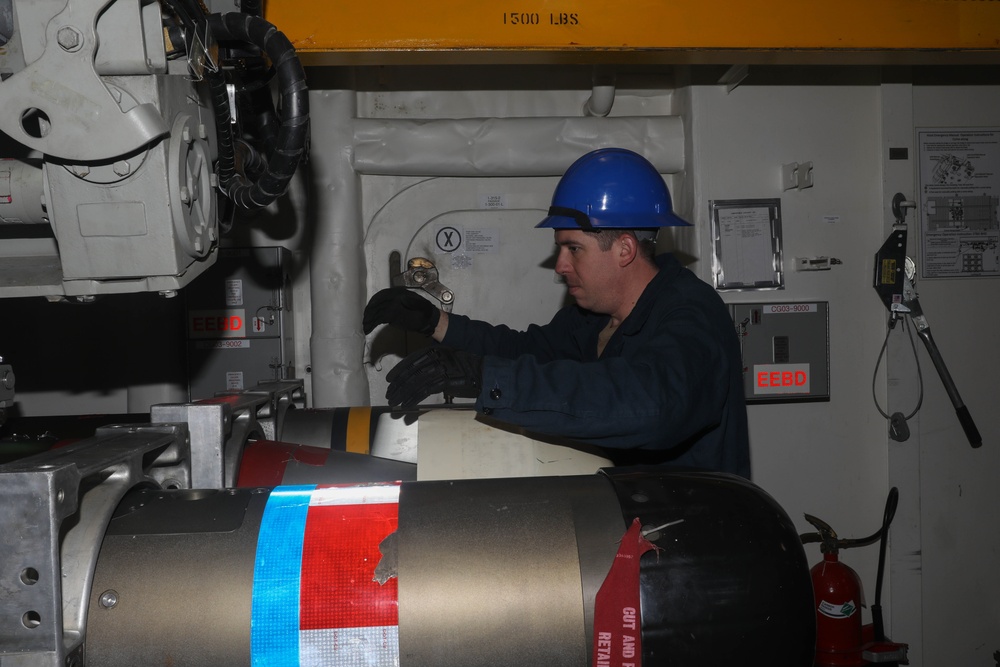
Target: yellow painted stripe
<point>317,27</point>
<point>359,422</point>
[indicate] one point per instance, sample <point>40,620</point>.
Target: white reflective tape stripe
<point>350,647</point>
<point>355,495</point>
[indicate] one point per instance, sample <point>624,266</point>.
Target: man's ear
<point>628,249</point>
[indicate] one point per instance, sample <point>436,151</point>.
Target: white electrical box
<point>786,350</point>
<point>239,328</point>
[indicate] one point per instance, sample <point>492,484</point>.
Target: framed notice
<point>959,202</point>
<point>746,235</point>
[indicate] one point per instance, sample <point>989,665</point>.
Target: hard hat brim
<point>616,222</point>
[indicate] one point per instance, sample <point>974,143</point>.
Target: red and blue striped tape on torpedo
<point>315,600</point>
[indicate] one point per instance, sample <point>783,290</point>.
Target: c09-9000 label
<point>537,18</point>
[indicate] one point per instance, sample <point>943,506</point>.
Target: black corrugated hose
<point>293,130</point>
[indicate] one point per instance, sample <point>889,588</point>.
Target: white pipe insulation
<point>602,98</point>
<point>346,146</point>
<point>509,146</point>
<point>337,273</point>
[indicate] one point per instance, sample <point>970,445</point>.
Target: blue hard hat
<point>611,188</point>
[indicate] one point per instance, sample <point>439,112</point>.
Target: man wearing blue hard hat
<point>646,364</point>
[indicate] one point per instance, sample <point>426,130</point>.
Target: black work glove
<point>433,370</point>
<point>401,308</point>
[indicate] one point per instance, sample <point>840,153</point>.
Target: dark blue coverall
<point>667,389</point>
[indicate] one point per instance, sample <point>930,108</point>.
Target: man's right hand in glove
<point>403,308</point>
<point>433,370</point>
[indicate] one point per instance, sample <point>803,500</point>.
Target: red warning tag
<point>617,623</point>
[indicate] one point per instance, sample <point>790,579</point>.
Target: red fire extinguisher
<point>841,639</point>
<point>839,597</point>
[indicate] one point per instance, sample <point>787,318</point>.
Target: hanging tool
<point>895,284</point>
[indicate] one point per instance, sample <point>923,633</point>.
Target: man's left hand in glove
<point>433,370</point>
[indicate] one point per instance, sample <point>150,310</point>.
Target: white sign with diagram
<point>959,195</point>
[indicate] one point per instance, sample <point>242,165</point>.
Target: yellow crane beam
<point>676,31</point>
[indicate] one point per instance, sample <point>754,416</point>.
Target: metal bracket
<point>796,175</point>
<point>421,273</point>
<point>60,106</point>
<point>54,509</point>
<point>899,206</point>
<point>220,427</point>
<point>734,76</point>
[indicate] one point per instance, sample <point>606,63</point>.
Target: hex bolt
<point>185,194</point>
<point>122,167</point>
<point>69,38</point>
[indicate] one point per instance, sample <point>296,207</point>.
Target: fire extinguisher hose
<point>878,626</point>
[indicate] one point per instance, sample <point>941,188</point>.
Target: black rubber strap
<point>579,217</point>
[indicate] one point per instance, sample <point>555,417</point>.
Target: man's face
<point>589,272</point>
